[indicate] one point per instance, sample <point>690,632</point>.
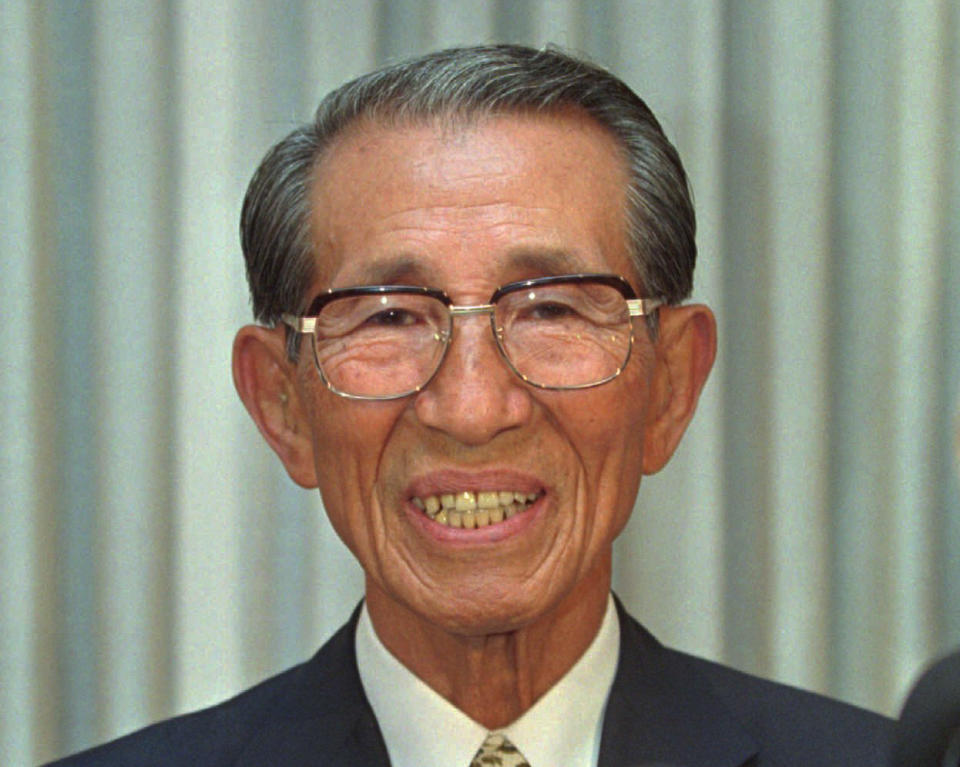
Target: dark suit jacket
<point>665,708</point>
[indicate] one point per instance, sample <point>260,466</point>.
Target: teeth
<point>488,500</point>
<point>471,510</point>
<point>466,501</point>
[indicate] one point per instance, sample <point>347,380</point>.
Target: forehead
<point>486,200</point>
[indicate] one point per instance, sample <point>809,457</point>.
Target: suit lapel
<point>661,711</point>
<point>322,717</point>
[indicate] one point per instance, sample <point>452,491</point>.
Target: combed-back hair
<point>465,84</point>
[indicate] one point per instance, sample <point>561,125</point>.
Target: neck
<point>494,678</point>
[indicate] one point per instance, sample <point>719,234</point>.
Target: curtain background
<point>154,557</point>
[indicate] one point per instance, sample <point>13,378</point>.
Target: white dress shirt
<point>423,729</point>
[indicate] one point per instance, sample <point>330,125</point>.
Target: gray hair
<point>465,83</point>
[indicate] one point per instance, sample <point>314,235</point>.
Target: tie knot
<point>498,751</point>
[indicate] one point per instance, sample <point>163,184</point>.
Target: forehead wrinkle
<point>416,257</point>
<point>438,216</point>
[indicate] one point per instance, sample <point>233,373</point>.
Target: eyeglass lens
<point>555,336</point>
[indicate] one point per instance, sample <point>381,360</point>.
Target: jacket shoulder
<point>209,736</point>
<point>692,711</point>
<point>805,727</point>
<point>276,710</point>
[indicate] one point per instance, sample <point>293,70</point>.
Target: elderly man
<point>468,272</point>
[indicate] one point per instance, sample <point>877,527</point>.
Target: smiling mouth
<point>471,510</point>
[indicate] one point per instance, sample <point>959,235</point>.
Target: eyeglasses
<point>383,342</point>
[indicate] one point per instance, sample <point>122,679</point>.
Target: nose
<point>474,396</point>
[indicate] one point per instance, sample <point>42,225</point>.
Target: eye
<point>392,317</point>
<point>548,310</point>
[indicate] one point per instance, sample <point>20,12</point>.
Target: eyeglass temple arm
<point>299,324</point>
<point>643,307</point>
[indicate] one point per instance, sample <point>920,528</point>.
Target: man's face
<point>466,209</point>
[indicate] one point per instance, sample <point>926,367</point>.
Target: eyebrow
<point>391,271</point>
<point>530,261</point>
<point>546,262</point>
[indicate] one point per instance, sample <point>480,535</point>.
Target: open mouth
<point>470,509</point>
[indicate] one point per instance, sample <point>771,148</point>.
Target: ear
<point>685,349</point>
<point>265,380</point>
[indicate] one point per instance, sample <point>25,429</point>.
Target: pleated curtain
<point>155,558</point>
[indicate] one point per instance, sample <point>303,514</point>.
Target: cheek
<point>349,438</point>
<point>608,429</point>
<point>607,433</point>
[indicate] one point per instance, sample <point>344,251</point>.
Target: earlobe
<point>264,379</point>
<point>685,351</point>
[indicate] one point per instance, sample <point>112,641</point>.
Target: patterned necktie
<point>498,751</point>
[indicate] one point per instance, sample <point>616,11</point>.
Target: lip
<point>453,480</point>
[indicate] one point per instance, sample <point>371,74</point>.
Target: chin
<point>477,609</point>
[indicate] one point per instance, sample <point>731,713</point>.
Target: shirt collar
<point>422,728</point>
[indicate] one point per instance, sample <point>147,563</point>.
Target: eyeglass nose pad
<point>445,337</point>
